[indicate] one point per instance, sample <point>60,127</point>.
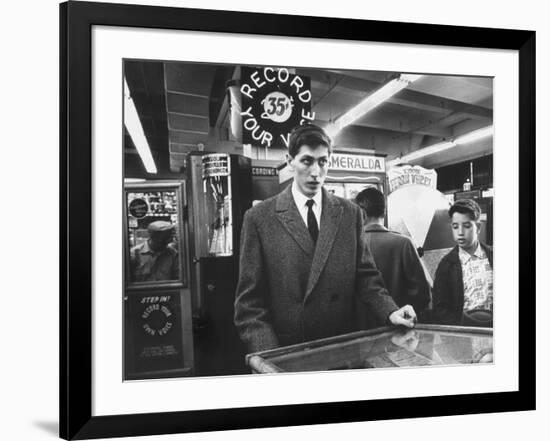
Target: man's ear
<point>289,159</point>
<point>478,226</point>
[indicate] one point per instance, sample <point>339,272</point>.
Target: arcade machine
<point>158,338</point>
<point>265,179</point>
<point>381,348</point>
<point>219,192</point>
<point>418,210</point>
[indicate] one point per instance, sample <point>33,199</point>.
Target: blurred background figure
<point>155,259</point>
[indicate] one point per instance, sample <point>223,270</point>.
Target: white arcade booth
<point>418,210</point>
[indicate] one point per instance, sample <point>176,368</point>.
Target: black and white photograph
<point>283,219</point>
<point>273,220</point>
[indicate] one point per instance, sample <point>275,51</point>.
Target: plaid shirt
<point>477,276</point>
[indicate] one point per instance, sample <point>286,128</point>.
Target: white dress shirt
<point>300,201</point>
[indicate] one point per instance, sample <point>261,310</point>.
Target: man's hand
<point>404,316</point>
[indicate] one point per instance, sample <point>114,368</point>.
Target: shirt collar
<point>145,249</point>
<point>300,199</point>
<point>465,256</point>
<point>375,226</point>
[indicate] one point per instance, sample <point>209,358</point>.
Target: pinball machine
<point>387,347</point>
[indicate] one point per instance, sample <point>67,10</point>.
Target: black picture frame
<point>76,21</point>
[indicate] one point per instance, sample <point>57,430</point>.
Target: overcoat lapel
<point>455,260</point>
<point>331,217</point>
<point>290,218</point>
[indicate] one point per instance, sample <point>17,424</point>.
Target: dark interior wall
<point>451,178</point>
<point>146,83</point>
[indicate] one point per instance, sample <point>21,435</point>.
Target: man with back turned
<point>303,259</point>
<point>394,255</point>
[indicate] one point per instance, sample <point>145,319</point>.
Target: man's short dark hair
<point>466,206</point>
<point>307,134</point>
<point>372,201</point>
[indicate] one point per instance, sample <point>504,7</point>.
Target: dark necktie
<point>311,221</point>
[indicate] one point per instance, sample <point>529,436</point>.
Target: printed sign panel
<point>273,102</point>
<point>364,163</point>
<point>411,175</point>
<point>154,331</point>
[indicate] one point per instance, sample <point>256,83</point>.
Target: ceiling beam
<point>391,119</point>
<point>407,97</point>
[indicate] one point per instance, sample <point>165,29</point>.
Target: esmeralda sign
<point>273,102</point>
<point>341,161</point>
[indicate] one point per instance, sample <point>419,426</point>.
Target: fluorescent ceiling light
<point>472,136</point>
<point>370,102</point>
<point>427,151</point>
<point>475,135</point>
<point>133,125</point>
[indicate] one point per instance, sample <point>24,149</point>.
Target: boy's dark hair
<point>307,134</point>
<point>466,206</point>
<point>372,201</point>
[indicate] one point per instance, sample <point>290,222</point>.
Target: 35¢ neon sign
<point>273,101</point>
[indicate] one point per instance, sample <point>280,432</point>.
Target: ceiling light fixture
<point>475,135</point>
<point>469,137</point>
<point>135,129</point>
<point>370,102</point>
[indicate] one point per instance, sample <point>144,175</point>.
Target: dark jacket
<point>291,290</point>
<point>396,257</point>
<point>448,289</point>
<point>399,263</point>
